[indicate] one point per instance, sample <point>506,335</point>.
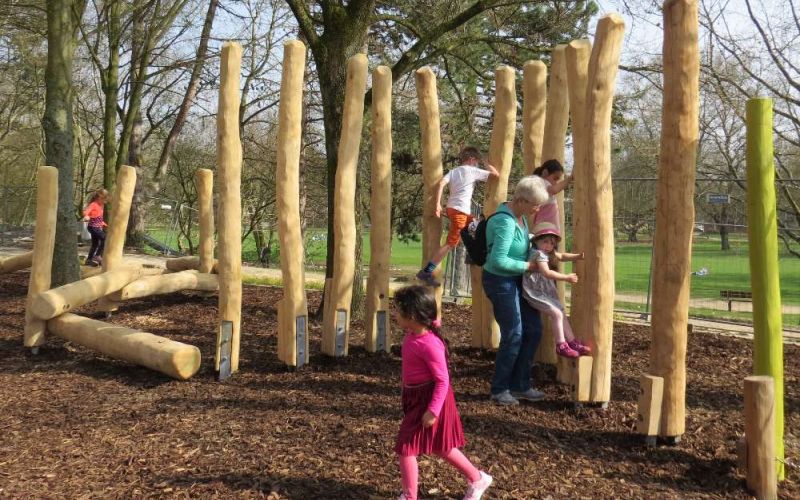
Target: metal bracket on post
<point>226,336</point>
<point>341,328</point>
<point>300,338</point>
<point>380,322</point>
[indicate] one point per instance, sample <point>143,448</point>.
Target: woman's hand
<point>428,419</point>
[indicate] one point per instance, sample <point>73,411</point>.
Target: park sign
<point>718,199</point>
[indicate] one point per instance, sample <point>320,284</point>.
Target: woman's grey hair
<point>533,189</point>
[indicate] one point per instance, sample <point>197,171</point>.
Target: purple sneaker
<point>580,347</point>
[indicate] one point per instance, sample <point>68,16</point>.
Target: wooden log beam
<point>380,235</point>
<point>16,262</point>
<point>171,358</point>
<point>336,320</point>
<point>167,283</point>
<point>651,391</point>
<point>118,226</point>
<point>51,303</point>
<point>759,425</point>
<point>293,306</point>
<point>581,378</point>
<point>229,165</point>
<point>204,180</point>
<point>44,238</point>
<point>534,108</point>
<point>177,264</point>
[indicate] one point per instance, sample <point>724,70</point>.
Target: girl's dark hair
<point>552,261</point>
<point>418,302</point>
<point>552,166</point>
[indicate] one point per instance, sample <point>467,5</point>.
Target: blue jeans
<point>520,332</point>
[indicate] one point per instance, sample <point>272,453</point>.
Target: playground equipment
<point>16,262</point>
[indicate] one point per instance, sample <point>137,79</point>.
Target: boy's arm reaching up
<point>492,171</point>
<point>439,190</point>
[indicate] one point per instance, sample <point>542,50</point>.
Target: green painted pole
<point>762,231</point>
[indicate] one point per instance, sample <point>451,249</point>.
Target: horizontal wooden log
<point>168,283</point>
<point>169,357</point>
<point>16,262</point>
<point>187,263</point>
<point>59,300</point>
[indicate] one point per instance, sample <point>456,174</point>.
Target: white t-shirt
<point>462,183</point>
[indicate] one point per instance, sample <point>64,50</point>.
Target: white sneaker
<point>505,399</point>
<point>529,395</point>
<point>477,489</point>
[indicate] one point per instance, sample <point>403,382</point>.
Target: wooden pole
<point>651,393</point>
<point>169,357</point>
<point>336,321</point>
<point>229,167</point>
<point>293,308</point>
<point>672,245</point>
<point>599,275</point>
<point>16,262</point>
<point>577,55</point>
<point>431,145</point>
<point>762,232</point>
<point>534,107</point>
<point>501,151</point>
<point>44,239</point>
<point>204,180</point>
<point>167,283</point>
<point>555,131</point>
<point>380,236</point>
<point>118,226</point>
<point>759,424</point>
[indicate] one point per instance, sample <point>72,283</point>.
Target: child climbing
<point>539,287</point>
<point>94,214</point>
<point>462,181</point>
<point>431,423</point>
<point>553,173</point>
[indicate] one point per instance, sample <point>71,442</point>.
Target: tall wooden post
<point>292,308</point>
<point>555,131</point>
<point>578,52</point>
<point>759,428</point>
<point>501,151</point>
<point>672,246</point>
<point>118,226</point>
<point>204,181</point>
<point>380,235</point>
<point>762,232</point>
<point>599,276</point>
<point>431,145</point>
<point>44,239</point>
<point>336,321</point>
<point>229,167</point>
<point>534,107</point>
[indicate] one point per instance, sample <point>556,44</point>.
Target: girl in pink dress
<point>553,173</point>
<point>431,424</point>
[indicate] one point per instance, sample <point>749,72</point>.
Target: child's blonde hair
<point>97,194</point>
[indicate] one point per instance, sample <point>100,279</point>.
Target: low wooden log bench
<point>736,296</point>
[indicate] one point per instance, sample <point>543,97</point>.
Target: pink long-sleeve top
<point>425,360</point>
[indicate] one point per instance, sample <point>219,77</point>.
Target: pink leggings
<point>409,470</point>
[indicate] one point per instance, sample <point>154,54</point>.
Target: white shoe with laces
<point>479,487</point>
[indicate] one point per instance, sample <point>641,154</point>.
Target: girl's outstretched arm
<point>570,257</point>
<point>559,186</point>
<point>548,273</point>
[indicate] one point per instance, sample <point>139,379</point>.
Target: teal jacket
<point>507,244</point>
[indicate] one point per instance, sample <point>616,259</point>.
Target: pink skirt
<point>441,437</point>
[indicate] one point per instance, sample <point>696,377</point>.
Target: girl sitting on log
<point>93,213</point>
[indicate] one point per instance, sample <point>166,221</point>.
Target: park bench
<point>736,295</point>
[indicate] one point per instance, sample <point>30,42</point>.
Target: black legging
<point>98,242</point>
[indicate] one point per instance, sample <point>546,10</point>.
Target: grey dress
<point>539,291</point>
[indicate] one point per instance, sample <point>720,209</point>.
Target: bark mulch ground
<point>74,424</point>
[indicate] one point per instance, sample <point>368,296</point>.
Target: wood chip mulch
<point>74,424</point>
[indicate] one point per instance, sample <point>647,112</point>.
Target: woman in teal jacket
<point>508,245</point>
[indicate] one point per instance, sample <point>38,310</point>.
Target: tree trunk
<point>57,124</point>
<point>136,223</point>
<point>111,94</point>
<point>724,241</point>
<point>633,234</point>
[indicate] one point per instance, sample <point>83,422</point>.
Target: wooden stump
<point>118,227</point>
<point>651,390</point>
<point>581,378</point>
<point>204,179</point>
<point>534,108</point>
<point>759,422</point>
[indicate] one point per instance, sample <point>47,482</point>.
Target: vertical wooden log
<point>501,151</point>
<point>293,306</point>
<point>344,210</point>
<point>672,245</point>
<point>759,425</point>
<point>476,336</point>
<point>204,181</point>
<point>577,55</point>
<point>44,239</point>
<point>762,232</point>
<point>380,236</point>
<point>651,391</point>
<point>581,379</point>
<point>555,131</point>
<point>599,278</point>
<point>431,144</point>
<point>118,227</point>
<point>229,168</point>
<point>534,107</point>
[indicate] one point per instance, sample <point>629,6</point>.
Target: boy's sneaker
<point>477,489</point>
<point>529,395</point>
<point>580,347</point>
<point>427,278</point>
<point>563,349</point>
<point>505,399</point>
